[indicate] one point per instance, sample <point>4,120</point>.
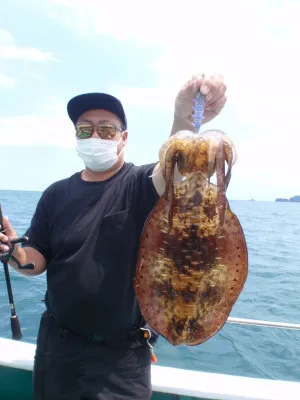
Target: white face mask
<point>98,154</point>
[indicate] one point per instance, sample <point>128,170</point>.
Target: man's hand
<point>8,234</point>
<point>23,255</point>
<point>212,88</point>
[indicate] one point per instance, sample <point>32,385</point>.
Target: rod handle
<point>15,327</point>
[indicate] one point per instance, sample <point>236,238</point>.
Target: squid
<point>192,260</point>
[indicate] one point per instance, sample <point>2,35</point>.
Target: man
<point>85,233</point>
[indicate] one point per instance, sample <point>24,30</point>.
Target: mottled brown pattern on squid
<point>191,267</point>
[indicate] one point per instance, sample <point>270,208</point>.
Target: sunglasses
<point>105,131</point>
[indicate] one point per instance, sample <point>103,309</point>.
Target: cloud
<point>200,22</point>
<point>37,130</point>
<point>145,97</point>
<point>26,53</point>
<point>251,43</point>
<point>50,127</point>
<point>6,82</point>
<point>10,51</point>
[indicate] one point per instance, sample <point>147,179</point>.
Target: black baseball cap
<point>93,101</point>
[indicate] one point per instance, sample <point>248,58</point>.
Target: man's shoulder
<point>61,184</point>
<point>142,169</point>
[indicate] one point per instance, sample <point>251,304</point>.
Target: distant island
<point>294,199</point>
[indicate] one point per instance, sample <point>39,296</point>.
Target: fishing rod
<point>5,258</point>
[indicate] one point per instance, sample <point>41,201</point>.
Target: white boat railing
<point>180,382</point>
<point>257,322</point>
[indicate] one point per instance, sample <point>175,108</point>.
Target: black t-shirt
<point>89,233</point>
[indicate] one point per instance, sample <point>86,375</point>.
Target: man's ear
<point>125,136</point>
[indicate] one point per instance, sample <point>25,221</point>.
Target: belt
<point>96,338</point>
<point>143,334</point>
<point>140,334</point>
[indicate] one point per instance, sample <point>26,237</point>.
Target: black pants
<point>70,368</point>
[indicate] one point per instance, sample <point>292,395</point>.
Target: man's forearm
<point>20,254</point>
<point>25,256</point>
<point>182,124</point>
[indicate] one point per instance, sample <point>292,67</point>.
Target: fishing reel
<point>5,258</point>
<point>8,256</point>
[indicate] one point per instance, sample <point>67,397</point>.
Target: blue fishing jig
<point>199,110</point>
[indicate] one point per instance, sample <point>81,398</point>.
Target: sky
<point>143,53</point>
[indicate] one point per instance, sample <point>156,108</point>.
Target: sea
<point>271,293</point>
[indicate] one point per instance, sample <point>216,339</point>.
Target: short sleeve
<point>147,195</point>
<point>38,231</point>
